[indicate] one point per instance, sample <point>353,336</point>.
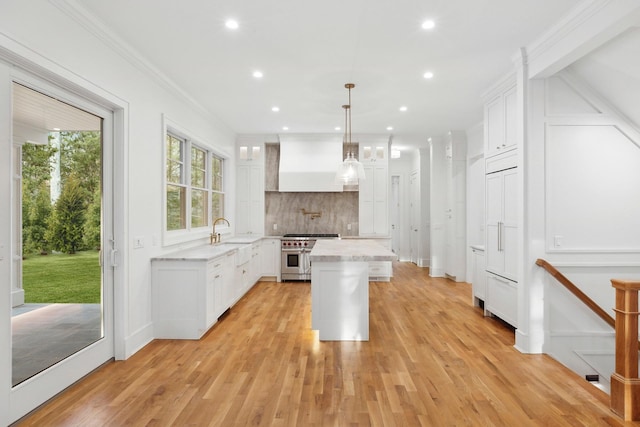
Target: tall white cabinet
<point>374,190</point>
<point>501,202</point>
<point>250,187</point>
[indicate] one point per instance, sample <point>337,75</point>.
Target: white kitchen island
<point>340,287</point>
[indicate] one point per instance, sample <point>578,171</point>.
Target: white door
<point>414,214</point>
<point>54,105</point>
<point>395,214</point>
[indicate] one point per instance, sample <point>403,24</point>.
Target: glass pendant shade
<point>350,171</point>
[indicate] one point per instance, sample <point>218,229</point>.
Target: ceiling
<point>308,50</point>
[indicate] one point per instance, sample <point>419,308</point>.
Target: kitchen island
<point>340,287</point>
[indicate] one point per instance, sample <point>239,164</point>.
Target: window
<point>176,185</point>
<point>194,184</point>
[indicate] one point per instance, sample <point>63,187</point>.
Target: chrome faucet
<point>215,237</point>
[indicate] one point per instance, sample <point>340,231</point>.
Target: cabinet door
<point>494,123</point>
<point>373,204</point>
<point>502,223</point>
<point>256,200</point>
<point>380,197</point>
<point>270,257</point>
<point>510,119</point>
<point>250,199</point>
<point>509,233</point>
<point>243,214</point>
<point>493,212</point>
<point>366,204</point>
<point>479,276</point>
<point>229,294</point>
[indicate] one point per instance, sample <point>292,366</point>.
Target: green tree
<point>66,225</point>
<point>81,156</point>
<point>36,212</point>
<point>92,222</point>
<point>36,204</point>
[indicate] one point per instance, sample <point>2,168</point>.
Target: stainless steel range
<point>295,254</point>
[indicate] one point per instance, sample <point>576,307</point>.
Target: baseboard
<point>136,341</point>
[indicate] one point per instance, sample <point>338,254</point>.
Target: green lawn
<point>62,278</point>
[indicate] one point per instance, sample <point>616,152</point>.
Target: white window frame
<point>189,233</point>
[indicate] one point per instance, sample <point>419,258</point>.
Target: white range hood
<point>308,163</point>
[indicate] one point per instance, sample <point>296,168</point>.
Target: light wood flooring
<point>432,360</point>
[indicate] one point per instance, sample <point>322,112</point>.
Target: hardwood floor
<point>432,360</point>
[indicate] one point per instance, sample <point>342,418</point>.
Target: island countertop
<point>335,250</point>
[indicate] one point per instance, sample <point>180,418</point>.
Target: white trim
<point>591,24</point>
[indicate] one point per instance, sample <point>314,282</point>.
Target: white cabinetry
<point>500,119</point>
<point>374,153</point>
<point>381,271</point>
<point>250,199</point>
<point>188,296</point>
<point>374,189</point>
<point>502,299</point>
<point>501,243</point>
<point>271,258</point>
<point>502,223</point>
<point>250,186</point>
<point>479,280</point>
<point>255,265</point>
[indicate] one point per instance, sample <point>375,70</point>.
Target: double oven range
<point>295,254</point>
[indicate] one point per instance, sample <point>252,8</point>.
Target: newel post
<point>625,384</point>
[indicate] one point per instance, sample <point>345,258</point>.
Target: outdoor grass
<point>62,278</point>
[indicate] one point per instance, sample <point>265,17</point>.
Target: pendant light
<point>350,171</point>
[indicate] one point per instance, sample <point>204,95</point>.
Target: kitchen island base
<point>340,300</point>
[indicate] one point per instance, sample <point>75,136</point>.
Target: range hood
<point>308,163</point>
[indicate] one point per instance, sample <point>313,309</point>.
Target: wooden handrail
<point>577,292</point>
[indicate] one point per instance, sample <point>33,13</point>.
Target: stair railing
<point>625,384</point>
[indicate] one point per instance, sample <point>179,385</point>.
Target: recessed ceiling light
<point>231,24</point>
<point>337,128</point>
<point>389,127</point>
<point>285,128</point>
<point>429,24</point>
<point>275,109</point>
<point>403,108</point>
<point>428,75</point>
<point>258,74</point>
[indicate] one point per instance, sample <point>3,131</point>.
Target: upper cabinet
<point>374,153</point>
<point>500,118</point>
<point>250,152</point>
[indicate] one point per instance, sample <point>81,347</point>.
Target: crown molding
<point>588,26</point>
<point>97,28</point>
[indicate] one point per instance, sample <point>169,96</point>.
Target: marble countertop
<point>200,253</point>
<point>332,250</point>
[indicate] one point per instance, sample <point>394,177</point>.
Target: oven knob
<point>306,244</point>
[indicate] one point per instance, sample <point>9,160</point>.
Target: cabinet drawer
<point>380,270</point>
<point>502,299</point>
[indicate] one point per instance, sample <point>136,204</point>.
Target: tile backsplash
<point>338,212</point>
